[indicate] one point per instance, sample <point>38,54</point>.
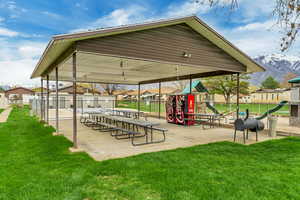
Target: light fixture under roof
<point>122,65</point>
<point>186,55</point>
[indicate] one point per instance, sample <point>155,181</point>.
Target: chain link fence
<point>152,106</point>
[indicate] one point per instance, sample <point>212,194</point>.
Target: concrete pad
<point>75,150</point>
<point>101,146</point>
<point>55,134</point>
<point>4,115</point>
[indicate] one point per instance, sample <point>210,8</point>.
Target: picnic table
<point>127,113</point>
<point>205,117</point>
<point>122,127</point>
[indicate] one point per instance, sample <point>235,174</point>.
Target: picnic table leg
<point>146,133</point>
<point>151,134</point>
<point>234,137</point>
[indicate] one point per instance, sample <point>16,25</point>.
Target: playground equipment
<point>213,109</point>
<point>252,124</point>
<point>295,102</point>
<point>272,110</point>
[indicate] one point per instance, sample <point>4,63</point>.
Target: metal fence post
<point>74,102</point>
<point>159,97</point>
<point>56,99</point>
<point>42,98</point>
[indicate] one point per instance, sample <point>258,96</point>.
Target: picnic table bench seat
<point>151,141</point>
<point>121,127</point>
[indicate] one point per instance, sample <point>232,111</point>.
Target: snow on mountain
<point>276,65</point>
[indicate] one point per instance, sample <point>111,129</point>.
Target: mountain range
<point>277,66</point>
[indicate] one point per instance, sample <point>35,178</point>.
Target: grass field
<point>1,110</point>
<point>36,165</point>
<point>221,107</point>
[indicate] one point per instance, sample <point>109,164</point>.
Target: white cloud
<point>7,32</point>
<point>257,8</point>
<point>78,5</point>
<point>187,8</point>
<point>17,72</point>
<point>19,59</point>
<point>13,9</point>
<point>257,44</point>
<point>11,5</point>
<point>2,19</point>
<point>51,14</point>
<point>118,17</point>
<point>31,50</point>
<point>255,38</point>
<point>257,26</point>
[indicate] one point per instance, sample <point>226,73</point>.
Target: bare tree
<point>287,13</point>
<point>180,84</point>
<point>110,88</point>
<point>231,4</point>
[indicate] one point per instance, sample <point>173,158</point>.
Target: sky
<point>27,26</point>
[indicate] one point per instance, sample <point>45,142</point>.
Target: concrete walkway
<point>4,115</point>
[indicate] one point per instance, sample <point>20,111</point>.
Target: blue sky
<point>27,26</point>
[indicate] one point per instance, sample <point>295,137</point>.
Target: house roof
<point>80,89</point>
<point>61,43</point>
<point>39,89</point>
<point>17,88</point>
<point>164,90</point>
<point>120,92</point>
<point>279,90</point>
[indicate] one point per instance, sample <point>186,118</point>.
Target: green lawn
<point>36,165</point>
<point>144,106</point>
<point>254,108</point>
<point>221,107</point>
<point>1,110</point>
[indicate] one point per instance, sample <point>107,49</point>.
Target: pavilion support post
<point>139,99</point>
<point>190,84</point>
<point>47,101</point>
<point>56,100</point>
<point>74,103</point>
<point>159,97</point>
<point>42,100</point>
<point>238,95</point>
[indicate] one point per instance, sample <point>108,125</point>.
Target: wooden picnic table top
<point>112,110</point>
<point>128,120</point>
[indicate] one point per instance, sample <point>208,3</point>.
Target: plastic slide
<point>213,109</point>
<point>276,108</point>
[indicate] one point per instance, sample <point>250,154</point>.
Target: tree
<point>287,13</point>
<point>180,85</point>
<point>110,88</point>
<point>286,78</point>
<point>227,85</point>
<point>270,83</point>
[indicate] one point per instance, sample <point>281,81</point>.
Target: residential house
<point>148,94</point>
<point>19,95</point>
<point>270,95</point>
<point>3,100</point>
<point>86,98</point>
<point>121,94</point>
